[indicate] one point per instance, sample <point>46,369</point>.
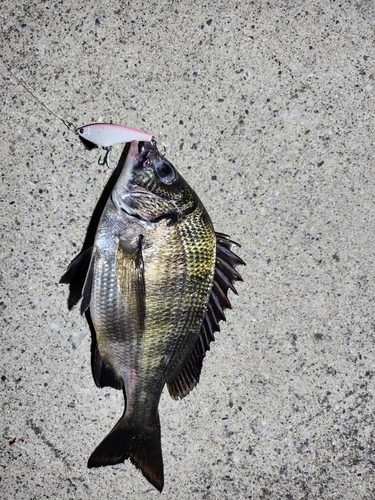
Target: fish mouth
<point>139,151</point>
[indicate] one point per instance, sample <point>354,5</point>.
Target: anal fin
<point>101,371</point>
<point>103,374</point>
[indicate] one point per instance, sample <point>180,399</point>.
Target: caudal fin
<point>141,444</point>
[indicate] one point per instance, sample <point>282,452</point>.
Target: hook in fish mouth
<point>145,151</point>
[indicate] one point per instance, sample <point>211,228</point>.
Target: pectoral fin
<point>130,277</point>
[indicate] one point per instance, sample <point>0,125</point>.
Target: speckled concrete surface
<point>267,109</point>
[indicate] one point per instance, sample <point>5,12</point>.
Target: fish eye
<point>165,171</point>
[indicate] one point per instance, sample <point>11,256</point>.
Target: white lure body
<point>108,134</point>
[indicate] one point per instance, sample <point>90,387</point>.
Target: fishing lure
<point>93,135</point>
<point>107,135</point>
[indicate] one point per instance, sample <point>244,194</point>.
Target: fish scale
<point>169,311</point>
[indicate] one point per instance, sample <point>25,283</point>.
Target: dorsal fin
<point>224,276</point>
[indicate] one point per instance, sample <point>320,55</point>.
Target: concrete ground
<point>267,109</point>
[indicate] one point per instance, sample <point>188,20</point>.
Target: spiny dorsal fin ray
<point>224,276</point>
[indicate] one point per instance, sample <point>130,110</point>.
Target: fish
<point>156,284</point>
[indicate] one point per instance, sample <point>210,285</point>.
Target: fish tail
<point>141,444</point>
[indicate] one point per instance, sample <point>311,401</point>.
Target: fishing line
<point>20,80</point>
<point>107,147</point>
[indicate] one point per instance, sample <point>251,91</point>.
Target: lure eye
<point>165,171</point>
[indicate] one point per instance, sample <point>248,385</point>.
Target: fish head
<point>150,187</point>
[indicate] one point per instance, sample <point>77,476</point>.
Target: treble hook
<point>105,160</point>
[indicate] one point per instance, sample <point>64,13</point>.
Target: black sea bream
<point>156,287</point>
